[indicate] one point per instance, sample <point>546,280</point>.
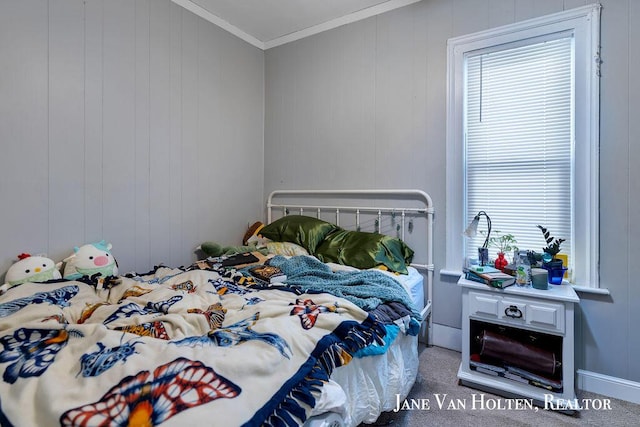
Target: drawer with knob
<point>517,311</point>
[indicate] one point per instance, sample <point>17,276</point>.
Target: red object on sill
<point>501,262</point>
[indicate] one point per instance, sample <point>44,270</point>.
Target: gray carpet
<point>438,376</point>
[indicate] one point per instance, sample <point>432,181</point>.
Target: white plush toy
<point>29,268</point>
<point>89,260</point>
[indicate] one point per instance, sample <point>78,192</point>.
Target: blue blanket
<point>365,288</point>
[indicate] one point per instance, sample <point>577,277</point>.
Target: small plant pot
<point>500,262</point>
<point>555,275</point>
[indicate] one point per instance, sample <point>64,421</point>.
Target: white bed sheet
<point>414,284</point>
<point>353,395</point>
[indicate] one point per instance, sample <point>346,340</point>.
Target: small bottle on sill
<point>523,270</point>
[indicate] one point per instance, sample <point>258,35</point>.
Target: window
<point>522,136</point>
<point>518,131</point>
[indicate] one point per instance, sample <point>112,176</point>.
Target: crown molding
<point>338,22</point>
<point>296,35</point>
<point>216,20</point>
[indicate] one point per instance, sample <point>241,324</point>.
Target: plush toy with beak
<point>29,268</point>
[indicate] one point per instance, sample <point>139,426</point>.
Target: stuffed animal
<point>91,260</point>
<point>29,268</point>
<point>253,234</point>
<point>214,249</point>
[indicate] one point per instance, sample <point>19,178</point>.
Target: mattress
<point>353,395</point>
<point>413,283</point>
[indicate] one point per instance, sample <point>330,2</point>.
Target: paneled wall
<point>137,122</point>
<point>131,121</point>
<point>363,106</point>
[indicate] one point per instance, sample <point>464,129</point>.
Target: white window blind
<point>518,149</point>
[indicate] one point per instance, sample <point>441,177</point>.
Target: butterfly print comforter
<point>176,347</point>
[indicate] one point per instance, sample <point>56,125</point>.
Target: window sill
<point>588,290</point>
<point>582,289</point>
<point>452,273</point>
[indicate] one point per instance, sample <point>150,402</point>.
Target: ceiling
<point>270,23</point>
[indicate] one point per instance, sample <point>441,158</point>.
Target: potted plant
<point>504,243</point>
<point>553,245</point>
<point>553,265</point>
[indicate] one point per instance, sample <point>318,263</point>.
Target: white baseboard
<point>447,337</point>
<point>617,388</point>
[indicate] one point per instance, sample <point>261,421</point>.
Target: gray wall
<point>363,106</point>
<point>126,120</point>
<point>133,121</point>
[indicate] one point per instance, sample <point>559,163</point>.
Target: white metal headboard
<point>401,204</point>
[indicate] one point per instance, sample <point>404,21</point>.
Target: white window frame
<point>584,24</point>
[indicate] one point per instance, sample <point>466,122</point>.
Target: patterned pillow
<point>285,248</point>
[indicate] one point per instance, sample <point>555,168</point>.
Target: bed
<point>210,344</point>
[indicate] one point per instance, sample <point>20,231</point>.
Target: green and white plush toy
<point>93,260</point>
<point>29,268</point>
<point>214,249</point>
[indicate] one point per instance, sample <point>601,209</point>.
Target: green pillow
<point>302,230</point>
<point>365,250</point>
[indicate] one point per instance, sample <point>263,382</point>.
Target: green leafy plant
<point>503,242</point>
<point>553,244</point>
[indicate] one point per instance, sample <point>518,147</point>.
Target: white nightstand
<point>541,318</point>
